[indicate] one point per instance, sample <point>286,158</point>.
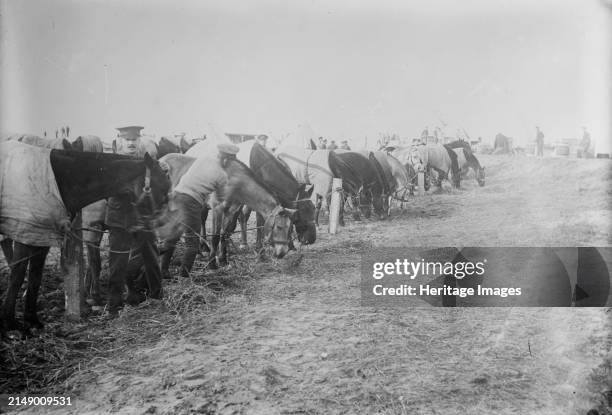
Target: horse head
<point>480,176</point>
<point>304,220</point>
<point>151,190</point>
<point>277,229</point>
<point>77,145</point>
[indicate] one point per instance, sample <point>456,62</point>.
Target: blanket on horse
<point>31,208</point>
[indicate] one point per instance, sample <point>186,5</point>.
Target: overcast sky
<point>349,69</point>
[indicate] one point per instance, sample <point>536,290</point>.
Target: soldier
<point>189,197</point>
<point>585,144</point>
<point>344,145</point>
<point>130,244</point>
<point>332,145</point>
<point>539,142</point>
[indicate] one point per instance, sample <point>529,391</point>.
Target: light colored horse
<point>241,187</point>
<point>310,167</point>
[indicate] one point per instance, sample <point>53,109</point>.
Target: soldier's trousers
<point>129,251</point>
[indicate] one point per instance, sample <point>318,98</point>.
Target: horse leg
<point>21,257</point>
<point>228,225</point>
<point>216,238</point>
<point>37,263</point>
<point>94,266</point>
<point>259,241</point>
<point>203,244</point>
<point>244,220</point>
<point>318,209</point>
<point>341,213</point>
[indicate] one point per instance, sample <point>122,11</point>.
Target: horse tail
<point>454,165</point>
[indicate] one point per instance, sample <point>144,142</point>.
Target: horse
<point>466,160</point>
<point>184,146</point>
<point>386,181</point>
<point>167,146</point>
<point>278,178</point>
<point>89,143</point>
<point>402,179</point>
<point>93,223</point>
<point>361,180</point>
<point>443,160</point>
<point>310,167</point>
<point>242,187</point>
<point>291,194</point>
<point>44,142</point>
<point>36,212</point>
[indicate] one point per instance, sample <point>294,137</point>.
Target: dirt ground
<point>290,336</point>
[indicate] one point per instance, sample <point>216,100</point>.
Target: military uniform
<point>131,247</point>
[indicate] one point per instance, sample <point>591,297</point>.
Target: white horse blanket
<point>31,208</point>
<point>310,167</point>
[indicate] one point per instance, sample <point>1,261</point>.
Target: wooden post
<point>335,205</point>
<point>72,255</point>
<point>421,182</point>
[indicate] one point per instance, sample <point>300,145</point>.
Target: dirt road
<point>291,337</point>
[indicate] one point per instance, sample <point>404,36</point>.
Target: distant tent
<point>302,136</point>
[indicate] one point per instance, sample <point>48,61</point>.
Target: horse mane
<point>380,172</point>
<point>340,168</point>
<point>259,159</point>
<point>454,160</point>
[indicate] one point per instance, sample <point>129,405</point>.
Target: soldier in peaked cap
<point>128,140</point>
<point>205,176</point>
<point>131,246</point>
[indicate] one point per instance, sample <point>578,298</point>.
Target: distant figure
<point>45,134</point>
<point>539,142</point>
<point>585,144</point>
<point>67,131</point>
<point>344,145</point>
<point>63,132</point>
<point>332,145</point>
<point>425,134</point>
<point>262,139</point>
<point>56,133</point>
<point>322,143</point>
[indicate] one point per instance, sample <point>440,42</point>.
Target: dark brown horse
<point>291,194</point>
<point>73,180</point>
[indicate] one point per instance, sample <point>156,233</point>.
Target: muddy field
<point>290,336</point>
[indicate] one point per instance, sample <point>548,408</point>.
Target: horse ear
<point>66,144</point>
<point>309,188</point>
<point>147,158</point>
